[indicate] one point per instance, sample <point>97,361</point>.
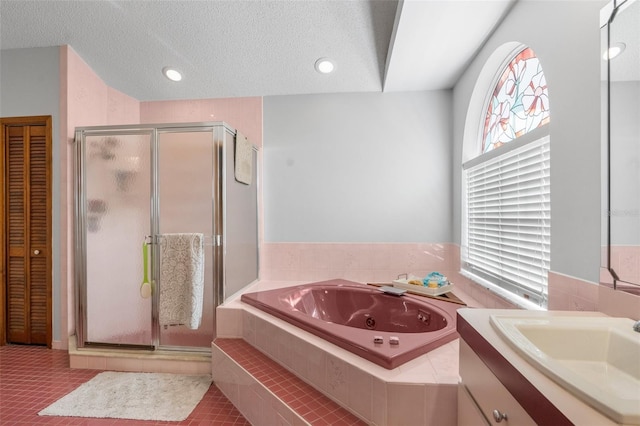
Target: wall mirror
<point>620,35</point>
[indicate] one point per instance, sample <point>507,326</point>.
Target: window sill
<point>501,293</point>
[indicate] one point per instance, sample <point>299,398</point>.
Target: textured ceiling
<point>259,47</point>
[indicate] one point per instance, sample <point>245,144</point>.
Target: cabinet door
<point>469,413</point>
<point>488,391</point>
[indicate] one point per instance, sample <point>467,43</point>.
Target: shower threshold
<point>171,360</point>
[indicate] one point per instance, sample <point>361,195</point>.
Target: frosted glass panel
<point>185,188</point>
<point>117,171</point>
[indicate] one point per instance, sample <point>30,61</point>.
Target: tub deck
<point>347,304</point>
<point>421,391</point>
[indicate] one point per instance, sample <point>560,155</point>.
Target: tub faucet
<point>636,326</point>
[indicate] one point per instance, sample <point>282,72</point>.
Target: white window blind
<point>508,220</point>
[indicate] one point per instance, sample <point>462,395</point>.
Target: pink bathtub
<point>385,329</point>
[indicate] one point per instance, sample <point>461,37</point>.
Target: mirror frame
<point>608,275</point>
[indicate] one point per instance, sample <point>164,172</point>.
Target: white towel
<point>181,279</point>
<point>243,159</point>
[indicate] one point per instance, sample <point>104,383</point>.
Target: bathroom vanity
<point>499,386</point>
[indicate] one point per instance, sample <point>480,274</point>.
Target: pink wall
<point>85,100</point>
<point>121,108</point>
<point>625,260</point>
<point>362,262</point>
<point>244,114</point>
<point>573,294</point>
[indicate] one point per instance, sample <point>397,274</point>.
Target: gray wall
<point>366,167</point>
<point>30,85</point>
<point>566,37</point>
<point>625,156</point>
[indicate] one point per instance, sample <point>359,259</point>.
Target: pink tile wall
<point>89,101</point>
<point>87,95</point>
<point>121,108</point>
<point>371,262</point>
<point>618,303</point>
<point>66,220</point>
<point>244,114</point>
<point>362,262</point>
<point>571,294</point>
<point>85,100</point>
<point>625,260</point>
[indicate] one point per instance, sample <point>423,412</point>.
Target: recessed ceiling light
<point>172,74</point>
<point>325,66</point>
<point>614,50</point>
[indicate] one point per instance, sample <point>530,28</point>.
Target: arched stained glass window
<point>506,212</point>
<point>519,104</point>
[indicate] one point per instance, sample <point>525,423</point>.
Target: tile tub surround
<point>371,262</point>
<point>422,391</point>
<point>362,262</point>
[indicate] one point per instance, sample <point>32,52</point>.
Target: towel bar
<point>209,240</point>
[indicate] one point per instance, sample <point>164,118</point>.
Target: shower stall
<point>134,186</point>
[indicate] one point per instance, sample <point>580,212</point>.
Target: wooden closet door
<point>28,233</point>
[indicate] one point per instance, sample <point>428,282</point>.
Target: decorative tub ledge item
<point>427,286</point>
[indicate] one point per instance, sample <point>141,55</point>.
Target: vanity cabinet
<point>495,377</point>
<point>468,411</point>
<point>483,400</point>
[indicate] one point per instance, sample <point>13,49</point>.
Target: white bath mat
<point>137,396</point>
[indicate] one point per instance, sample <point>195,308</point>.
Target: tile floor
<point>312,405</point>
<point>32,377</point>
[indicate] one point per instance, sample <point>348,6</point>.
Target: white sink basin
<point>596,358</point>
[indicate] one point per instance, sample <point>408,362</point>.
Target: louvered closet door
<point>27,214</point>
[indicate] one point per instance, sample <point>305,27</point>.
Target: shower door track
<point>98,345</point>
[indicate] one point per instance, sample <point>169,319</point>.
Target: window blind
<point>509,220</point>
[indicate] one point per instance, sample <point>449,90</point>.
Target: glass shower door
<point>117,194</point>
<point>186,191</point>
